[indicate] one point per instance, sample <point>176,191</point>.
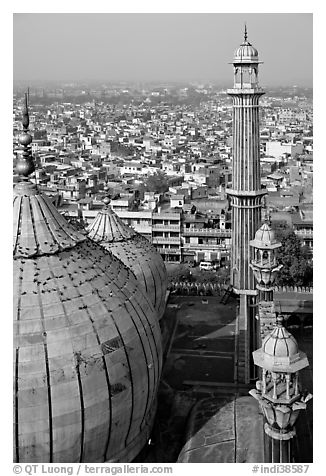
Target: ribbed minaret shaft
<point>246,194</point>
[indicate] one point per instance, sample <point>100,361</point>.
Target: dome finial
<point>245,32</point>
<point>280,320</point>
<point>25,165</point>
<point>267,216</point>
<point>107,196</point>
<point>280,317</point>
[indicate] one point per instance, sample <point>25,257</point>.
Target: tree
<point>121,149</point>
<point>281,229</point>
<point>157,183</point>
<point>40,134</point>
<point>297,266</point>
<point>179,273</point>
<point>221,276</point>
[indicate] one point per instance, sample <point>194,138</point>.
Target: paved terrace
<point>200,364</point>
<point>203,349</point>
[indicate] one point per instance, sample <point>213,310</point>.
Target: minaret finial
<point>245,32</point>
<point>25,165</point>
<point>25,114</point>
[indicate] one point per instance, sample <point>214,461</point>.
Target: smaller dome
<point>265,234</point>
<point>279,351</point>
<point>265,238</point>
<point>135,251</point>
<point>280,343</point>
<point>246,53</point>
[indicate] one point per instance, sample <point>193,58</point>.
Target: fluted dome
<point>135,252</point>
<point>265,238</point>
<point>279,351</point>
<point>246,53</point>
<point>280,343</point>
<point>87,345</point>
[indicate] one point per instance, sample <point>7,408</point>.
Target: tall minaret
<point>246,195</point>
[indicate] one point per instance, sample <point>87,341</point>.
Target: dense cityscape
<point>167,148</point>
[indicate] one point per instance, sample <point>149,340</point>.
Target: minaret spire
<point>25,165</point>
<point>245,32</point>
<point>25,114</point>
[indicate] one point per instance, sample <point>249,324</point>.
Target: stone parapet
<point>293,289</point>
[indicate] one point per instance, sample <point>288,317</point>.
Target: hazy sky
<point>160,46</point>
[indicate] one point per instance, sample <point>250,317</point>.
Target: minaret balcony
<point>246,85</point>
<point>246,193</point>
<point>265,275</point>
<point>245,89</point>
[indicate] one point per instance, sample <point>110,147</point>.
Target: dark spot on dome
<point>117,388</point>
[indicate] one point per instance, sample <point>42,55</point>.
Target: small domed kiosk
<point>87,344</point>
<point>264,263</point>
<point>134,251</point>
<point>245,62</point>
<point>278,392</point>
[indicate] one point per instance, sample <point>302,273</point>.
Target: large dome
<point>87,344</point>
<point>135,252</point>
